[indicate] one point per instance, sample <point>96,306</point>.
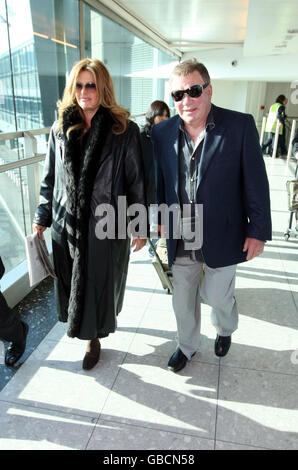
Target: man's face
<point>193,111</point>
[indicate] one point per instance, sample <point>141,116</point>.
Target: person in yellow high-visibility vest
<point>276,113</point>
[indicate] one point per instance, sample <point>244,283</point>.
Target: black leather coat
<point>103,273</point>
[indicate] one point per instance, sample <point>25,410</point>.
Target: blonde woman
<point>94,156</point>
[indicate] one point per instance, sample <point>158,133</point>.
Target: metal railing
<point>31,159</point>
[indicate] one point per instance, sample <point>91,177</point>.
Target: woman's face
<point>161,117</point>
<point>86,93</point>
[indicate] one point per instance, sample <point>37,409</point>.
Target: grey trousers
<point>216,289</point>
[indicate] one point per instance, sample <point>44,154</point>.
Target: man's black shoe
<point>177,361</point>
<point>15,351</point>
<point>222,345</point>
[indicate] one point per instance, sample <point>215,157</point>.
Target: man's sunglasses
<point>194,92</point>
<point>87,86</point>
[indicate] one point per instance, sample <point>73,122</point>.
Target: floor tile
<point>261,345</point>
<point>272,305</point>
<point>53,378</point>
<point>221,445</point>
<point>148,395</point>
<point>258,408</point>
<point>110,435</point>
<point>27,428</point>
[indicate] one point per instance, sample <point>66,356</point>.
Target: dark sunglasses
<point>194,92</point>
<point>87,86</point>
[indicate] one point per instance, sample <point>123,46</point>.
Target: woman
<point>157,112</point>
<point>94,156</point>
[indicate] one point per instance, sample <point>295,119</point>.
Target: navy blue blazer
<point>232,184</point>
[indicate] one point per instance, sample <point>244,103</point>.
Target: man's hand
<point>138,243</point>
<point>253,247</point>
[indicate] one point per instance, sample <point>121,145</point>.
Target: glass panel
<point>11,219</point>
<point>130,61</point>
<point>44,40</point>
<point>15,220</point>
<point>7,117</point>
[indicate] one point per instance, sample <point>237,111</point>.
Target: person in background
<point>277,112</point>
<point>94,156</point>
<point>157,112</point>
<point>12,329</point>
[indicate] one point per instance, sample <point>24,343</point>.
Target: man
<point>11,329</point>
<point>277,112</point>
<point>210,156</point>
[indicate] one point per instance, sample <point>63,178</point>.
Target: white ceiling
<point>262,26</point>
<point>191,24</point>
<point>244,30</point>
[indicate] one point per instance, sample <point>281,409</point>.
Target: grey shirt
<point>189,162</point>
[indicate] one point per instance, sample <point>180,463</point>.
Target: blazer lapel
<point>173,146</point>
<point>211,146</point>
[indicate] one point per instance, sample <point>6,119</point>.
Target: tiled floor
<point>247,400</point>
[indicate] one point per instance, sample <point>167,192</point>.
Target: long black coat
<point>91,272</point>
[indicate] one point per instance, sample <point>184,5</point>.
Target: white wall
<point>243,96</point>
<point>229,94</point>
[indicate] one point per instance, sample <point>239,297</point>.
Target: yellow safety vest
<point>272,119</point>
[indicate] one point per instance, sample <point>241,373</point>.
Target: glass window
<point>5,76</point>
<point>129,60</point>
<point>44,38</point>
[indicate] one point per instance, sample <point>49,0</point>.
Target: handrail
<point>19,134</point>
<point>36,157</point>
<point>43,130</point>
<point>19,163</point>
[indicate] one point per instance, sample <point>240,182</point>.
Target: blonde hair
<point>105,89</point>
<point>188,66</point>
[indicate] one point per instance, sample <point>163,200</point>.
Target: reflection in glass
<point>39,45</point>
<point>44,42</point>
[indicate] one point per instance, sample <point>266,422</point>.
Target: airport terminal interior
<point>130,400</point>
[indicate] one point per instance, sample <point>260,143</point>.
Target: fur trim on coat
<point>80,173</point>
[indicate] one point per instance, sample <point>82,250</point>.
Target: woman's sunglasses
<point>194,92</point>
<point>87,86</point>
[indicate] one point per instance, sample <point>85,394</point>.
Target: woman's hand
<point>40,229</point>
<point>138,243</point>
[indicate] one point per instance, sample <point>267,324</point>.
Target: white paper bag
<point>39,263</point>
